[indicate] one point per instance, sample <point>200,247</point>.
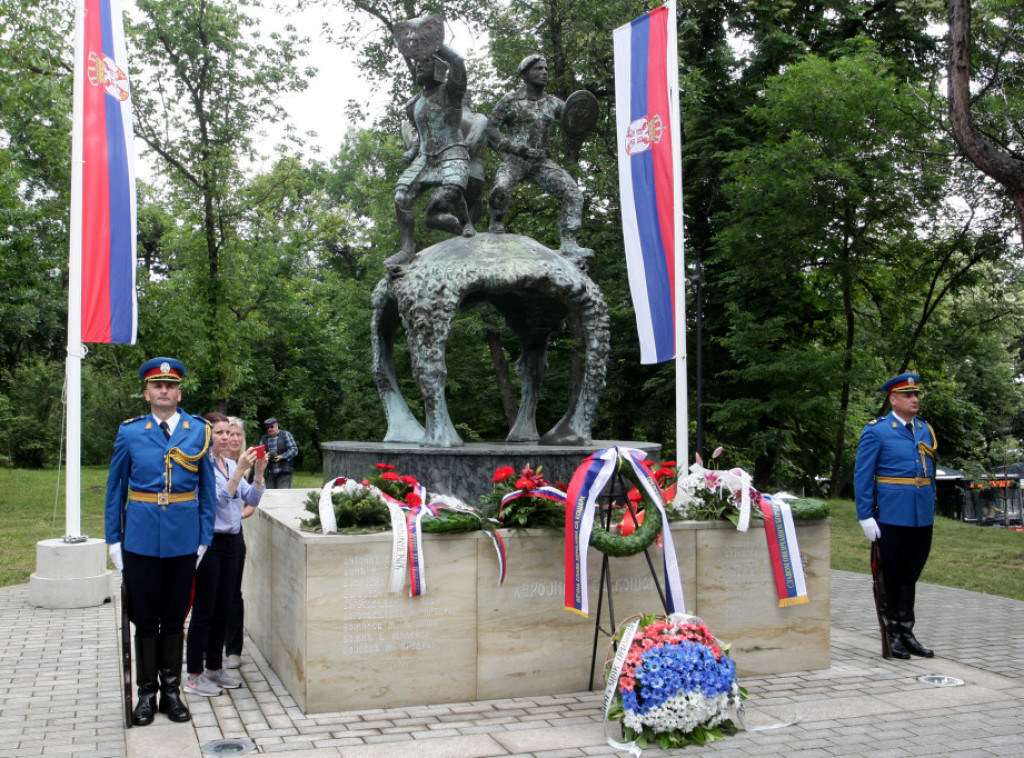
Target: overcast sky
<point>320,107</point>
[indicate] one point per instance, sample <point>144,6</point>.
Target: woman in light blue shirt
<point>217,573</point>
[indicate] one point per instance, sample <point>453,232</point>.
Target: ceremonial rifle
<point>878,589</point>
<point>126,653</point>
<point>126,640</point>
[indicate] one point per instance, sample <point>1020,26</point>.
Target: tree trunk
<point>992,160</point>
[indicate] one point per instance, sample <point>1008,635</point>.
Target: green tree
<point>836,252</point>
<point>35,143</point>
<point>205,84</point>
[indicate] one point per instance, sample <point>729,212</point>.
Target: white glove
<point>200,553</point>
<point>115,555</point>
<point>871,530</point>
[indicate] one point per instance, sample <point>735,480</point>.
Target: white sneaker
<point>201,685</point>
<point>223,679</point>
<point>232,661</point>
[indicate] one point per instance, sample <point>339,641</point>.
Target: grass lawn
<point>976,558</point>
<point>980,559</point>
<point>32,509</point>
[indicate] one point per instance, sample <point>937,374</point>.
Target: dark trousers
<point>282,481</point>
<point>215,584</point>
<point>236,613</point>
<point>158,593</point>
<point>904,550</point>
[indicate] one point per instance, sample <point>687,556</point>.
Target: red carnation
<point>390,476</point>
<point>502,473</point>
<point>413,499</point>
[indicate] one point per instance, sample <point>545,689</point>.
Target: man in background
<point>281,453</point>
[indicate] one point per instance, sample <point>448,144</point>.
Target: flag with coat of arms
<point>650,185</point>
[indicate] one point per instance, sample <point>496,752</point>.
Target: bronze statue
<point>535,289</point>
<point>439,157</point>
<point>528,114</point>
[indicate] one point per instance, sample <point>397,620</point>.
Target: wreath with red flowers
<point>648,526</point>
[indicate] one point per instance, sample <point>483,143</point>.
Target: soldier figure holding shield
<point>528,114</point>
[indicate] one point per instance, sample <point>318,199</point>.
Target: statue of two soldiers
<point>447,143</point>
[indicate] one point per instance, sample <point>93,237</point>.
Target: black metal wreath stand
<point>613,493</point>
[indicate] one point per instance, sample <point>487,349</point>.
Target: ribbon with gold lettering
<point>784,551</point>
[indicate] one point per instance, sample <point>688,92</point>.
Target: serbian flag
<point>647,125</point>
<point>105,194</point>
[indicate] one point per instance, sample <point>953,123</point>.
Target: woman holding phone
<point>217,572</point>
<point>236,612</point>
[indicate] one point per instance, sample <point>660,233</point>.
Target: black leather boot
<point>905,617</point>
<point>896,648</point>
<point>892,630</point>
<point>145,679</point>
<point>170,679</point>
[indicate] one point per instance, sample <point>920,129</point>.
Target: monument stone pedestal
<point>70,574</point>
<point>466,471</point>
<point>318,608</point>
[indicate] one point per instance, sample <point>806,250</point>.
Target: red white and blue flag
<point>106,195</point>
<point>647,124</point>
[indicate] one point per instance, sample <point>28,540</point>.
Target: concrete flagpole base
<point>70,574</point>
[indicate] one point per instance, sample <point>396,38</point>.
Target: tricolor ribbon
<point>546,492</point>
<point>784,551</point>
<point>580,506</point>
<point>407,532</point>
<point>417,567</point>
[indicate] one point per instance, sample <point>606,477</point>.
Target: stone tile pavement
<point>60,695</point>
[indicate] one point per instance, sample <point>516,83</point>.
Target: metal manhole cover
<point>940,681</point>
<point>229,747</point>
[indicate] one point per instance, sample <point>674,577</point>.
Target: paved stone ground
<point>60,696</point>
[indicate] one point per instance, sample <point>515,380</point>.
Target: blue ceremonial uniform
<point>894,483</point>
<point>161,505</point>
<point>888,449</point>
<point>139,464</point>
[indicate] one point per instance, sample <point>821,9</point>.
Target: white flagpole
<point>75,348</point>
<point>682,417</point>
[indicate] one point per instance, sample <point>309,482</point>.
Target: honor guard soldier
<point>160,510</point>
<point>894,482</point>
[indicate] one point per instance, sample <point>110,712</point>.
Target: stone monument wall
<point>318,609</point>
